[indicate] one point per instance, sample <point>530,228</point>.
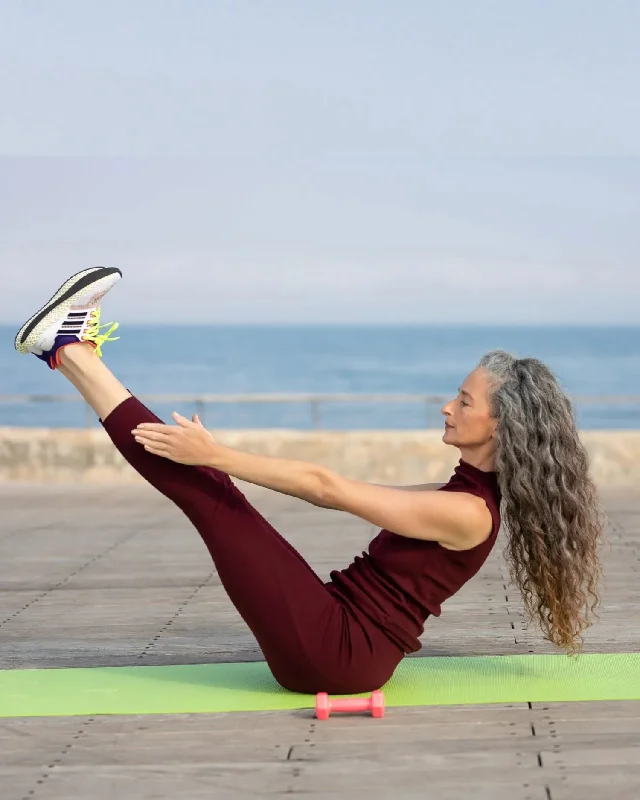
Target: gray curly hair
<point>550,507</point>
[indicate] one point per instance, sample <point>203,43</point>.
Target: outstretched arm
<point>418,487</point>
<point>456,520</point>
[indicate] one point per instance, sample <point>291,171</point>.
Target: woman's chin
<point>448,437</point>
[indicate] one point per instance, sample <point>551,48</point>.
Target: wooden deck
<point>96,576</point>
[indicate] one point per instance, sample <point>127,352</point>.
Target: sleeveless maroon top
<point>401,581</point>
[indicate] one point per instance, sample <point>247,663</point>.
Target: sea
<point>247,360</point>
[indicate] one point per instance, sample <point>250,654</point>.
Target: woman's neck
<point>480,458</point>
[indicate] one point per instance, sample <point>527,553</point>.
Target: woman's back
<point>400,582</point>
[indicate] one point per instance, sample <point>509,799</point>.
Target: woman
<point>520,452</point>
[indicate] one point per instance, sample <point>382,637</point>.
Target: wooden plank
<point>254,780</point>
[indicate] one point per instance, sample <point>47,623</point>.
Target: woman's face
<point>468,420</point>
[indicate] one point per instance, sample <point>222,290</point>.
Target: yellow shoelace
<point>95,334</point>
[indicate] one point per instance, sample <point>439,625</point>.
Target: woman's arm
<point>418,487</point>
<point>457,520</point>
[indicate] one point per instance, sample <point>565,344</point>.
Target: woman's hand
<point>187,443</point>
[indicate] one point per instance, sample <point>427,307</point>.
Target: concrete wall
<point>396,457</point>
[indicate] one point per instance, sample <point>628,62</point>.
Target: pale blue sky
<point>330,161</point>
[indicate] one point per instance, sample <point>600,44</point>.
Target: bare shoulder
<point>457,520</point>
<point>474,519</point>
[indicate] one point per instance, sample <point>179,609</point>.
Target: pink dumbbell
<point>324,706</point>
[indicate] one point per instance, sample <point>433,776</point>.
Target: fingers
<point>159,427</point>
<point>167,441</point>
<point>153,441</point>
<point>152,445</point>
<point>152,426</point>
<point>156,450</point>
<point>151,436</point>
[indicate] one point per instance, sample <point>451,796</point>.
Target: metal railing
<point>199,402</point>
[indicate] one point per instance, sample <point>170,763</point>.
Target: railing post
<point>200,409</point>
<point>315,414</point>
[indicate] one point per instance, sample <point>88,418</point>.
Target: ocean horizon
<point>329,359</point>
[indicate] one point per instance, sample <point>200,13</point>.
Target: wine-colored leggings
<point>311,641</point>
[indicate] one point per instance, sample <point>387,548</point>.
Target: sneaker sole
<point>30,333</point>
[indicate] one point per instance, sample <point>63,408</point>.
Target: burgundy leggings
<point>311,641</point>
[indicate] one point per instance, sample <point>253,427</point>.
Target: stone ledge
<point>56,455</point>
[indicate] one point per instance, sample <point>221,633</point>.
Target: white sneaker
<point>71,316</point>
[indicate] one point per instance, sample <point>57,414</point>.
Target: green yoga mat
<point>250,686</point>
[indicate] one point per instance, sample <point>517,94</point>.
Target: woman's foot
<point>71,316</point>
